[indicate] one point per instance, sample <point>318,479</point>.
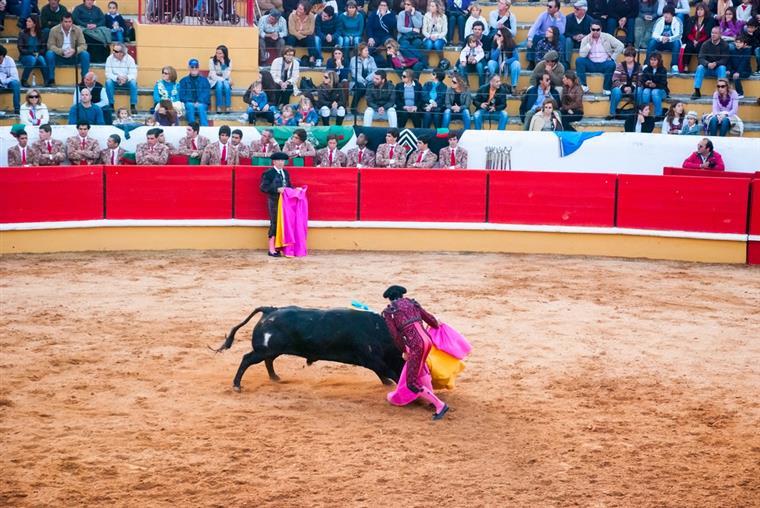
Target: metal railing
<point>237,13</point>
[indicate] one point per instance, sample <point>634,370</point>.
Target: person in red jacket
<point>705,157</point>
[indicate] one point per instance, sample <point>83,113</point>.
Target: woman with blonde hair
<point>330,99</point>
<point>435,26</point>
<point>33,111</point>
<point>458,101</point>
<point>306,115</point>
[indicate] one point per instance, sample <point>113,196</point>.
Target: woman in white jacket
<point>219,73</point>
<point>435,26</point>
<point>33,111</point>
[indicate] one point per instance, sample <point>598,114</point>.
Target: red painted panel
<point>754,209</point>
<point>426,195</point>
<point>333,193</point>
<point>177,192</point>
<point>753,253</point>
<point>568,199</point>
<point>706,172</point>
<point>683,203</point>
<point>51,194</point>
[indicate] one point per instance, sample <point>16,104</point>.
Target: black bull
<point>338,335</point>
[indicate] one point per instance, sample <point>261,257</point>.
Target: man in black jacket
<point>409,100</point>
<point>273,182</point>
<point>381,101</point>
<point>533,99</point>
<point>713,59</point>
<point>491,102</point>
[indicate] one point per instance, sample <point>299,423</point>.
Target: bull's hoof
<point>388,382</point>
<point>236,388</point>
<point>274,378</point>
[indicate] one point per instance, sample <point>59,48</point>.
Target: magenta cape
<point>295,221</point>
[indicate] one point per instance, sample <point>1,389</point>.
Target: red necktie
<point>50,147</point>
<point>331,157</point>
<point>453,159</point>
<point>390,154</point>
<point>195,147</point>
<point>84,144</point>
<point>113,157</point>
<point>361,153</point>
<point>419,157</point>
<point>224,155</point>
<point>23,156</point>
<point>266,145</point>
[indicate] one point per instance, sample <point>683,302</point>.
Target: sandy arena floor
<point>593,382</point>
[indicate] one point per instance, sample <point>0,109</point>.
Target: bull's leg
<point>269,362</point>
<point>249,359</point>
<point>383,372</point>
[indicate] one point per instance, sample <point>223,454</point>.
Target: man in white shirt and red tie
<point>220,153</point>
<point>423,157</point>
<point>82,149</point>
<point>152,152</point>
<point>266,145</point>
<point>48,151</point>
<point>390,154</point>
<point>21,154</point>
<point>452,156</point>
<point>361,156</point>
<point>111,156</point>
<point>193,144</point>
<point>330,156</point>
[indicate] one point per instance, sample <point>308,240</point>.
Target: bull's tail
<point>230,338</point>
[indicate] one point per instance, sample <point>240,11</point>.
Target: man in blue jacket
<point>195,93</point>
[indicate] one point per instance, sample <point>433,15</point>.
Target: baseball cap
<point>691,114</point>
<point>275,13</point>
<point>193,63</point>
<point>581,4</point>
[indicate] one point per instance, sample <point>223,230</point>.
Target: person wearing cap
<point>423,157</point>
<point>193,143</point>
<point>152,152</point>
<point>691,126</point>
<point>112,154</point>
<point>21,154</point>
<point>195,93</point>
<point>577,27</point>
<point>48,151</point>
<point>273,183</point>
<point>273,29</point>
<point>452,156</point>
<point>552,17</point>
<point>221,152</point>
<point>82,149</point>
<point>549,65</point>
<point>705,157</point>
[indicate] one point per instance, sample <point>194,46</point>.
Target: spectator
<point>330,99</point>
<point>236,140</point>
<point>713,59</point>
<point>675,120</point>
<point>258,104</point>
<point>571,100</point>
<point>286,117</point>
<point>644,23</point>
<point>491,103</point>
<point>31,51</point>
<point>752,32</point>
<point>620,19</point>
<point>306,115</point>
<point>705,157</point>
<point>681,8</point>
<point>691,127</point>
<point>598,54</point>
<point>46,150</point>
<point>116,23</point>
<point>390,154</point>
<point>472,59</point>
<point>381,26</point>
<point>33,111</point>
<point>434,100</point>
<point>625,80</point>
<point>577,27</point>
<point>9,78</point>
<point>730,27</point>
<point>725,109</point>
<point>363,68</point>
<point>653,83</point>
<point>435,26</point>
<point>350,27</point>
<point>325,31</point>
<point>113,153</point>
<point>456,17</point>
<point>221,152</point>
<point>552,17</point>
<point>719,7</point>
<point>641,121</point>
<point>152,152</point>
<point>219,78</point>
<point>361,156</point>
<point>265,145</point>
<point>66,45</point>
<point>502,17</point>
<point>409,26</point>
<point>330,156</point>
<point>533,99</point>
<point>121,72</point>
<point>458,100</point>
<point>92,21</point>
<point>452,156</point>
<point>273,30</point>
<point>165,115</point>
<point>20,8</point>
<point>85,110</point>
<point>547,119</point>
<point>478,31</point>
<point>381,101</point>
<point>298,145</point>
<point>549,65</point>
<point>338,64</point>
<point>550,42</point>
<point>301,31</point>
<point>409,100</point>
<point>50,16</point>
<point>82,149</point>
<point>268,5</point>
<point>193,143</point>
<point>195,93</point>
<point>739,63</point>
<point>744,11</point>
<point>423,157</point>
<point>21,154</point>
<point>125,122</point>
<point>149,122</point>
<point>403,58</point>
<point>285,73</point>
<point>475,17</point>
<point>666,35</point>
<point>503,58</point>
<point>167,88</point>
<point>696,32</point>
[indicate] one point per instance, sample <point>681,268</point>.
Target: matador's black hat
<point>394,292</point>
<point>280,156</point>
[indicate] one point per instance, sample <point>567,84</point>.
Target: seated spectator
<point>409,100</point>
<point>152,152</point>
<point>625,81</point>
<point>31,51</point>
<point>675,119</point>
<point>745,10</point>
<point>472,59</point>
<point>644,23</point>
<point>550,42</point>
<point>458,101</point>
<point>286,117</point>
<point>220,78</point>
<point>85,110</point>
<point>641,121</point>
<point>121,72</point>
<point>195,94</point>
<point>284,76</point>
<point>301,25</point>
<point>696,32</point>
<point>547,119</point>
<point>125,122</point>
<point>220,152</point>
<point>265,145</point>
<point>149,122</point>
<point>739,66</point>
<point>330,156</point>
<point>435,26</point>
<point>306,115</point>
<point>20,8</point>
<point>193,143</point>
<point>258,104</point>
<point>491,103</point>
<point>113,153</point>
<point>116,23</point>
<point>92,21</point>
<point>598,53</point>
<point>719,7</point>
<point>705,157</point>
<point>503,58</point>
<point>21,154</point>
<point>571,100</point>
<point>48,151</point>
<point>82,149</point>
<point>653,83</point>
<point>381,101</point>
<point>730,27</point>
<point>50,16</point>
<point>350,27</point>
<point>619,19</point>
<point>452,156</point>
<point>666,35</point>
<point>552,17</point>
<point>501,18</point>
<point>713,60</point>
<point>381,26</point>
<point>434,100</point>
<point>725,109</point>
<point>456,17</point>
<point>479,32</point>
<point>338,64</point>
<point>298,146</point>
<point>9,78</point>
<point>325,31</point>
<point>403,58</point>
<point>167,88</point>
<point>330,99</point>
<point>363,68</point>
<point>577,27</point>
<point>691,127</point>
<point>533,99</point>
<point>390,154</point>
<point>97,94</point>
<point>681,8</point>
<point>236,140</point>
<point>273,30</point>
<point>752,33</point>
<point>549,65</point>
<point>165,115</point>
<point>475,17</point>
<point>361,156</point>
<point>422,157</point>
<point>409,26</point>
<point>33,111</point>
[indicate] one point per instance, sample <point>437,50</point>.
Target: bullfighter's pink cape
<point>293,221</point>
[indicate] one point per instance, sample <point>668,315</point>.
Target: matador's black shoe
<point>274,254</point>
<point>439,416</point>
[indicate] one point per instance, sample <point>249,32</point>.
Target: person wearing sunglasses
<point>552,17</point>
<point>705,157</point>
<point>724,110</point>
<point>599,52</point>
<point>33,111</point>
<point>121,72</point>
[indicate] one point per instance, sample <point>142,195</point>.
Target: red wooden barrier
<point>423,195</point>
<point>707,172</point>
<point>571,199</point>
<point>177,192</point>
<point>51,194</point>
<point>683,203</point>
